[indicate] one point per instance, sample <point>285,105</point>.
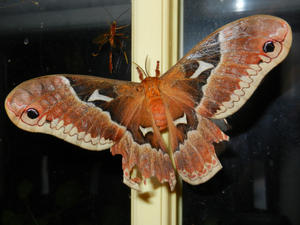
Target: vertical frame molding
<point>155,34</point>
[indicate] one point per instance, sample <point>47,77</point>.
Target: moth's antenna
<point>146,66</point>
<point>140,71</point>
<point>157,71</point>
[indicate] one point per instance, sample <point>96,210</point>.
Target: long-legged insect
<point>114,39</point>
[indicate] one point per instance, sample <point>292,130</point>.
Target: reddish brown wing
<point>191,135</point>
<point>214,80</point>
<point>232,61</point>
<point>96,114</point>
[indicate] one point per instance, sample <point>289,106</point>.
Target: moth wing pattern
<point>96,114</point>
<point>212,81</point>
<point>233,61</point>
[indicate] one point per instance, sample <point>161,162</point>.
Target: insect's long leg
<point>122,27</point>
<point>110,66</point>
<point>98,50</point>
<point>122,50</point>
<point>125,56</point>
<point>120,35</point>
<point>100,41</point>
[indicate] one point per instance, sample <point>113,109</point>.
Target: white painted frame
<point>155,34</point>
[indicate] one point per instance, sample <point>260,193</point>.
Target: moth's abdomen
<point>158,111</point>
<point>155,102</point>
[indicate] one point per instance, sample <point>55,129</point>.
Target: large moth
<point>212,81</point>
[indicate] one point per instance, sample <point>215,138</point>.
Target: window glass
<point>44,180</point>
<point>259,182</point>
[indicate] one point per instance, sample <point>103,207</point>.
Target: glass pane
<point>259,182</point>
<point>44,180</point>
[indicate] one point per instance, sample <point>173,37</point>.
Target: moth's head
<point>144,74</point>
<point>26,104</point>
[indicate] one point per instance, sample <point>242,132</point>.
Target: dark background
<point>44,180</point>
<point>260,180</point>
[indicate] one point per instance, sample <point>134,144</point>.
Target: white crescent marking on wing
<point>146,130</point>
<point>96,96</point>
<point>203,66</point>
<point>180,120</point>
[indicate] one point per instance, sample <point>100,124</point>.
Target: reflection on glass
<point>44,180</point>
<point>240,5</point>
